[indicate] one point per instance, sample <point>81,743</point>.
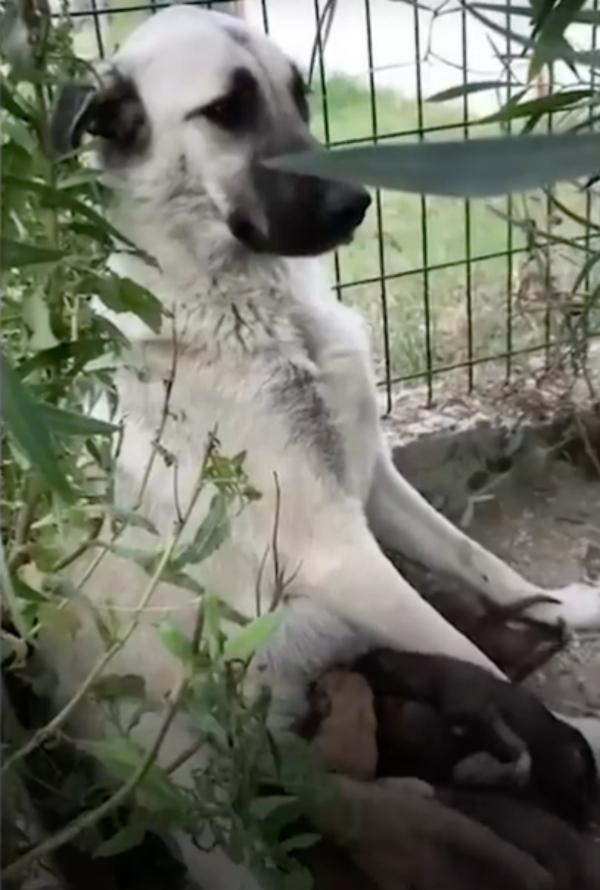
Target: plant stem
<point>92,817</point>
<point>53,725</point>
<point>9,595</point>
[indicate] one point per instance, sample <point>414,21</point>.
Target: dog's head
<point>187,111</point>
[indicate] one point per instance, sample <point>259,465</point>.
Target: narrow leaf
<point>462,89</point>
<point>15,254</point>
<point>79,351</point>
<point>126,839</point>
<point>583,16</point>
<point>474,168</point>
<point>543,105</point>
<point>120,686</point>
<point>506,9</point>
<point>10,103</point>
<point>124,295</point>
<point>135,519</point>
<point>175,641</point>
<point>264,807</point>
<point>27,424</point>
<point>210,535</point>
<point>299,842</point>
<point>251,638</point>
<point>58,197</point>
<point>70,423</point>
<point>121,757</point>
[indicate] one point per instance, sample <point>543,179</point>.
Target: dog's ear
<point>115,112</point>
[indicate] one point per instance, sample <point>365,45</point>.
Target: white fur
<point>344,594</point>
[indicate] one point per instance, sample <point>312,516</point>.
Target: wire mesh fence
<point>440,280</point>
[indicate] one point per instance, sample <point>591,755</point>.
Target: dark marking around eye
<point>237,110</point>
<point>299,94</point>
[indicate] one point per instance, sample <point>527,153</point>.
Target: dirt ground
<point>551,533</point>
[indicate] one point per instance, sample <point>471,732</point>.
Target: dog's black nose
<point>345,207</point>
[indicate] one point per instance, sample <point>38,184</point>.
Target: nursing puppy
<point>253,344</point>
<point>501,718</point>
<point>571,858</point>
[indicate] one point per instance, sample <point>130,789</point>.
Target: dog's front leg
<point>353,579</point>
<point>403,520</point>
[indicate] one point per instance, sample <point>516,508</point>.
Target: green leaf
<point>120,686</point>
<point>79,351</point>
<point>509,36</point>
<point>264,807</point>
<point>135,519</point>
<point>70,423</point>
<point>15,254</point>
<point>121,757</point>
<point>505,8</point>
<point>10,103</point>
<point>124,295</point>
<point>173,576</point>
<point>26,423</point>
<point>61,198</point>
<point>175,641</point>
<point>475,168</point>
<point>126,839</point>
<point>584,16</point>
<point>462,89</point>
<point>299,879</point>
<point>252,637</point>
<point>209,726</point>
<point>543,105</point>
<point>143,558</point>
<point>211,631</point>
<point>211,534</point>
<point>148,562</point>
<point>299,842</point>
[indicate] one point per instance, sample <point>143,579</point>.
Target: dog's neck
<point>200,269</point>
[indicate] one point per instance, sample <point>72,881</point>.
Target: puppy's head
<point>567,757</point>
<point>187,112</point>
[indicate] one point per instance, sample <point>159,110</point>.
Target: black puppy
<point>495,716</point>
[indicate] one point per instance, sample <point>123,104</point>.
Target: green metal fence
<point>438,279</point>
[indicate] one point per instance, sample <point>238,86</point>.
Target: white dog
<point>188,109</point>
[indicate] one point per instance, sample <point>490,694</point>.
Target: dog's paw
<point>577,607</point>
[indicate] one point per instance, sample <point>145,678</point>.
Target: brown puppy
<point>496,716</point>
<point>573,860</point>
<point>405,841</point>
<point>341,724</point>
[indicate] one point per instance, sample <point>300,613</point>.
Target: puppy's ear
<point>115,112</point>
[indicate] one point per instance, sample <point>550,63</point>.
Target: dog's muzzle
<point>299,215</point>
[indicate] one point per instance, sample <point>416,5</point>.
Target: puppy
<point>406,841</point>
<point>573,860</point>
<point>413,740</point>
<point>341,724</point>
<point>498,717</point>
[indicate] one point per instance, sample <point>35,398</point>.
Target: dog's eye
<point>225,112</point>
<point>238,109</point>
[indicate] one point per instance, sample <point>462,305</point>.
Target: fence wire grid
<point>438,279</point>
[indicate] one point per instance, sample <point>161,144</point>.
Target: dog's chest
<point>244,360</point>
